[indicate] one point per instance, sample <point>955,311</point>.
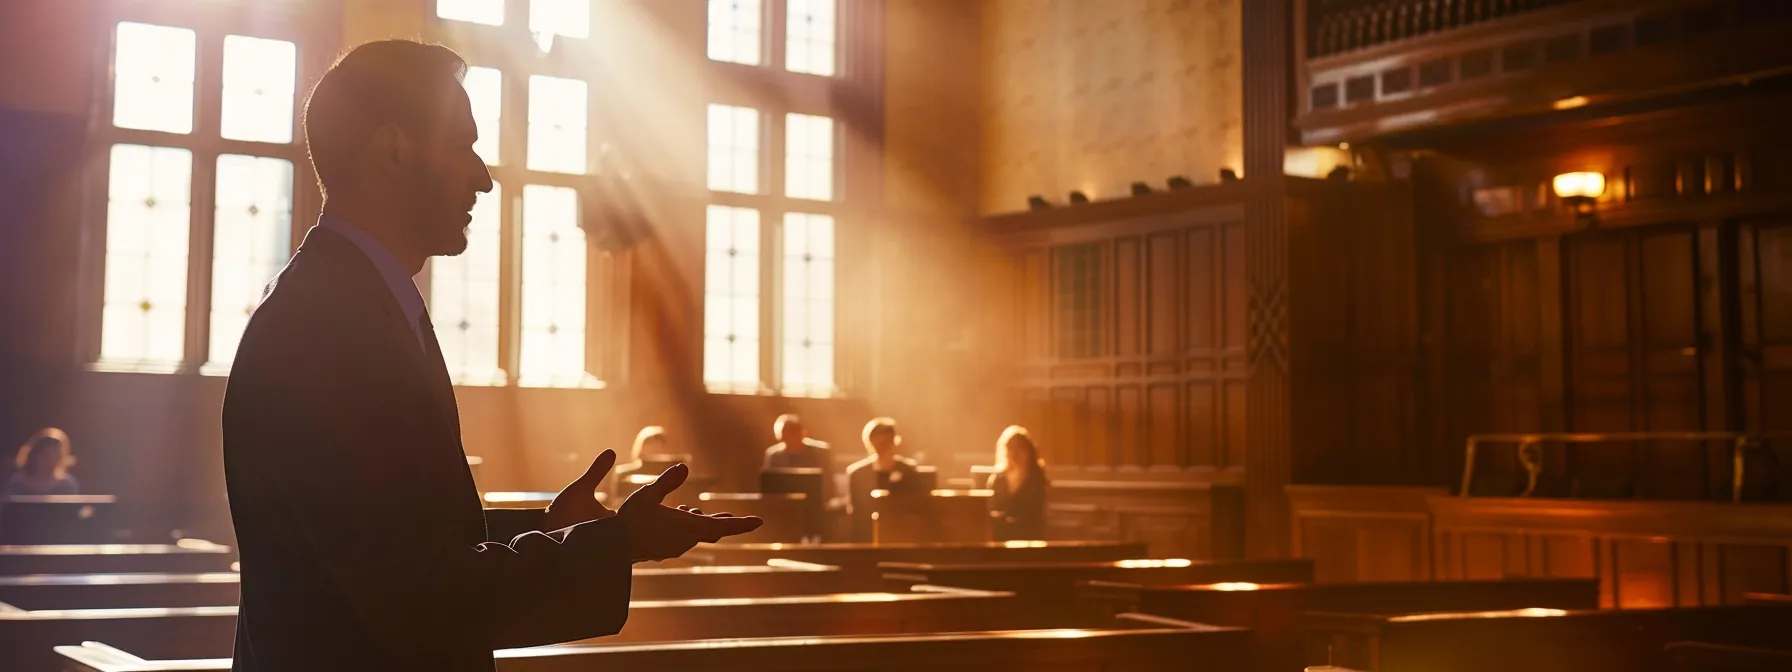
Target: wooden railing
<point>1338,26</point>
<point>1530,456</point>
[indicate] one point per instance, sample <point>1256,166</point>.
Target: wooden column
<point>1269,417</point>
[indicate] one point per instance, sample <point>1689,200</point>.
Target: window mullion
<point>208,79</point>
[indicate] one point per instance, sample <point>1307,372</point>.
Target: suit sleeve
<point>319,437</point>
<point>503,525</point>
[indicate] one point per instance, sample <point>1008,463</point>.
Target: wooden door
<point>1764,352</point>
<point>1633,362</point>
<point>1493,348</point>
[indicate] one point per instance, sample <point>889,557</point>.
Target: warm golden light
<point>1143,563</point>
<point>1231,586</point>
<point>1018,543</point>
<point>1571,103</point>
<point>1587,185</point>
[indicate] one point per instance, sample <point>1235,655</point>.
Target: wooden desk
<point>818,615</point>
<point>769,580</point>
<point>1536,640</point>
<point>27,637</point>
<point>1051,587</point>
<point>189,555</point>
<point>1158,647</point>
<point>783,513</point>
<point>101,591</point>
<point>1274,611</point>
<point>937,516</point>
<point>98,591</point>
<point>859,561</point>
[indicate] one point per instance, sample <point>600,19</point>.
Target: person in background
<point>795,450</point>
<point>649,442</point>
<point>42,467</point>
<point>882,469</point>
<point>1019,484</point>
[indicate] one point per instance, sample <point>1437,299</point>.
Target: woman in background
<point>1019,484</point>
<point>42,467</point>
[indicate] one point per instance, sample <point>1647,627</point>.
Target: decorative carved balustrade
<point>1338,26</point>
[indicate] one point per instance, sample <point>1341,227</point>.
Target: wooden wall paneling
<point>1201,423</point>
<point>1645,554</point>
<point>1687,568</point>
<point>1668,278</point>
<point>1066,426</point>
<point>1234,339</point>
<point>1164,315</point>
<point>1601,316</point>
<point>1203,266</point>
<point>1265,60</point>
<point>1035,287</point>
<point>1645,573</point>
<point>1163,427</point>
<point>1130,437</point>
<point>1128,314</point>
<point>1363,533</point>
<point>1100,450</point>
<point>1746,568</point>
<point>1186,520</point>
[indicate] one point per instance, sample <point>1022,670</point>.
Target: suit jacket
<point>863,477</point>
<point>362,539</point>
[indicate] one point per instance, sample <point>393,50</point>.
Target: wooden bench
<point>1536,640</point>
<point>859,561</point>
<point>99,591</point>
<point>773,579</point>
<point>958,516</point>
<point>26,637</point>
<point>1146,646</point>
<point>1706,657</point>
<point>189,555</point>
<point>1274,611</point>
<point>927,610</point>
<point>1052,587</point>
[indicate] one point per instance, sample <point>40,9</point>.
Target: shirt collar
<point>398,280</point>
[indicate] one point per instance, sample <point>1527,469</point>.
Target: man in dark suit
<point>364,546</point>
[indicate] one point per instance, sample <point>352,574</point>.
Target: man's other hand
<point>577,502</point>
<point>659,532</point>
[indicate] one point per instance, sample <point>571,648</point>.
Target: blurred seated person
<point>1018,505</point>
<point>42,467</point>
<point>795,450</point>
<point>882,469</point>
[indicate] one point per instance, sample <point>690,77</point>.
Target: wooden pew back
<point>1051,589</point>
<point>1160,647</point>
<point>190,555</point>
<point>100,591</point>
<point>859,561</point>
<point>1274,611</point>
<point>1536,640</point>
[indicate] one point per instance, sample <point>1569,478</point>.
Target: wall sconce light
<point>1078,198</point>
<point>1037,202</point>
<point>1580,190</point>
<point>1179,182</point>
<point>1140,188</point>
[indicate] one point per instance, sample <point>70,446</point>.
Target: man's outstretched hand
<point>577,502</point>
<point>659,532</point>
<point>655,531</point>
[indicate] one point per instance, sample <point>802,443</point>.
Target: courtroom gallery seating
<point>187,555</point>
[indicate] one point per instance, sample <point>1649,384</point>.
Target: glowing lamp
<point>1580,190</point>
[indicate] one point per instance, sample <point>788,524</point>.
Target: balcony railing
<point>1530,456</point>
<point>1339,26</point>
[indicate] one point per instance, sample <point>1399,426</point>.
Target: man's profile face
<point>448,179</point>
